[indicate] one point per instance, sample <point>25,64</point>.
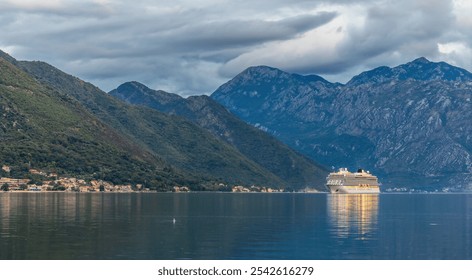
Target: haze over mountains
<point>409,124</point>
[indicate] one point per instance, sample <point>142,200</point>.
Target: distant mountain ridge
<point>294,169</point>
<point>410,124</point>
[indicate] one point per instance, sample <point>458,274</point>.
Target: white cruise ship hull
<point>353,189</point>
<point>344,181</point>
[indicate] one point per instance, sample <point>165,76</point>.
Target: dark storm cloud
<point>223,35</point>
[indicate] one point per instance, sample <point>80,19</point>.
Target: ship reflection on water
<point>353,215</point>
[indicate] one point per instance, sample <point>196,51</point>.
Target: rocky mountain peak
<point>132,85</point>
<point>420,69</point>
<point>135,92</point>
<point>262,71</point>
<point>421,60</point>
<point>424,70</point>
<point>269,74</point>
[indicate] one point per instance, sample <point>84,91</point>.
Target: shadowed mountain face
<point>409,124</point>
<point>292,168</point>
<point>56,122</point>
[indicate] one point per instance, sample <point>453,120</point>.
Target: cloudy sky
<point>191,47</point>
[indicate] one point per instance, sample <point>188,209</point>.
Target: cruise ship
<point>344,181</point>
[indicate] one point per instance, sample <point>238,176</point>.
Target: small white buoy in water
<point>173,221</point>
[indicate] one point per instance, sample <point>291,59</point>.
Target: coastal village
<point>71,184</point>
<point>56,183</point>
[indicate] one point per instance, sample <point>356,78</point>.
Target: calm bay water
<point>235,226</point>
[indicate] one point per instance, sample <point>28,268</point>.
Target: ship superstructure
<point>344,181</point>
